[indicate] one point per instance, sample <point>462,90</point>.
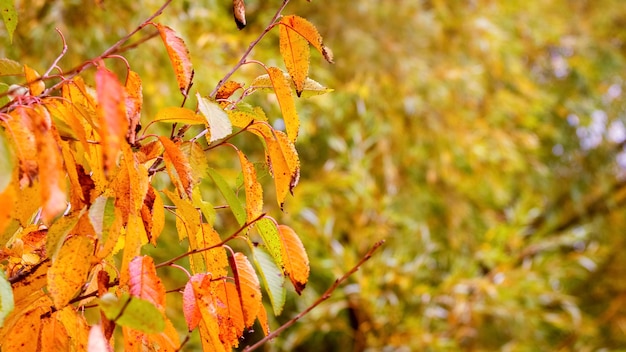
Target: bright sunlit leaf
<point>179,56</point>
<point>69,271</point>
<point>35,86</point>
<point>295,52</point>
<point>248,286</point>
<point>216,117</point>
<point>294,257</point>
<point>285,100</point>
<point>112,111</point>
<point>252,188</point>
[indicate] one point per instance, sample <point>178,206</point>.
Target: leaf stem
<point>249,50</point>
<point>322,298</point>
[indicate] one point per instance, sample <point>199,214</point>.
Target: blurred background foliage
<point>483,139</point>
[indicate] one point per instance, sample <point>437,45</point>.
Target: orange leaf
<point>254,192</point>
<point>262,315</point>
<point>134,101</point>
<point>35,86</point>
<point>308,31</point>
<point>112,112</point>
<point>177,167</point>
<point>144,282</point>
<point>53,336</point>
<point>229,313</point>
<point>227,89</point>
<point>199,309</point>
<point>69,271</point>
<point>153,215</point>
<point>285,100</point>
<point>294,257</point>
<point>76,327</point>
<point>134,239</point>
<point>179,56</point>
<point>24,335</point>
<point>295,52</point>
<point>239,11</point>
<point>248,286</point>
<point>187,216</point>
<point>8,197</point>
<point>181,115</point>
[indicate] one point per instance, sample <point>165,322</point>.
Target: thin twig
<point>250,47</point>
<point>324,297</point>
<point>199,250</point>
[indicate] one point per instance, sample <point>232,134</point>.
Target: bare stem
<point>250,47</point>
<point>324,297</point>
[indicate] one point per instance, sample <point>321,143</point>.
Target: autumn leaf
<point>69,271</point>
<point>227,89</point>
<point>252,187</point>
<point>248,287</point>
<point>59,230</point>
<point>243,114</point>
<point>153,215</point>
<point>216,117</point>
<point>212,261</point>
<point>311,87</point>
<point>6,297</point>
<point>144,282</point>
<point>234,203</point>
<point>179,57</point>
<point>53,336</point>
<point>187,216</point>
<point>35,85</point>
<point>191,309</point>
<point>7,162</point>
<point>200,310</point>
<point>134,101</point>
<point>76,327</point>
<point>177,166</point>
<point>285,100</point>
<point>132,312</point>
<point>294,257</point>
<point>24,335</point>
<point>295,52</point>
<point>135,237</point>
<point>10,67</point>
<point>308,31</point>
<point>179,115</point>
<point>229,313</point>
<point>9,16</point>
<point>239,12</point>
<point>112,112</point>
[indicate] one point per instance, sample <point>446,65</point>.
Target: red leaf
<point>113,121</point>
<point>179,56</point>
<point>144,282</point>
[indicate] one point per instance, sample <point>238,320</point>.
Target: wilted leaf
<point>112,112</point>
<point>177,166</point>
<point>227,90</point>
<point>239,12</point>
<point>217,119</point>
<point>294,257</point>
<point>9,67</point>
<point>6,297</point>
<point>35,86</point>
<point>9,16</point>
<point>252,187</point>
<point>144,282</point>
<point>179,56</point>
<point>132,312</point>
<point>295,52</point>
<point>68,273</point>
<point>248,286</point>
<point>272,277</point>
<point>285,100</point>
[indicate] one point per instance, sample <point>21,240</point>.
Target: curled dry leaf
<point>239,12</point>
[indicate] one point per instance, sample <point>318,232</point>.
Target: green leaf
<point>231,198</point>
<point>135,313</point>
<point>272,278</point>
<point>102,215</point>
<point>269,233</point>
<point>311,87</point>
<point>7,162</point>
<point>6,297</point>
<point>9,67</point>
<point>9,16</point>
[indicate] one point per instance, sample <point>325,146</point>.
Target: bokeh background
<point>482,139</point>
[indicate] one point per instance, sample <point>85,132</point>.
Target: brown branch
<point>199,250</point>
<point>323,298</point>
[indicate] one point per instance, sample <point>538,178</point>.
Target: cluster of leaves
<point>79,200</point>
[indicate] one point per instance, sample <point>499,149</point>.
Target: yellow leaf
<point>229,313</point>
<point>24,335</point>
<point>243,115</point>
<point>215,259</point>
<point>112,112</point>
<point>8,197</point>
<point>35,86</point>
<point>187,216</point>
<point>76,327</point>
<point>180,115</point>
<point>254,192</point>
<point>69,272</point>
<point>308,31</point>
<point>295,52</point>
<point>248,287</point>
<point>179,56</point>
<point>177,166</point>
<point>134,239</point>
<point>294,257</point>
<point>54,336</point>
<point>285,100</point>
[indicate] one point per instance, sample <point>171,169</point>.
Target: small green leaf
<point>231,198</point>
<point>6,297</point>
<point>135,313</point>
<point>9,16</point>
<point>272,278</point>
<point>7,162</point>
<point>269,233</point>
